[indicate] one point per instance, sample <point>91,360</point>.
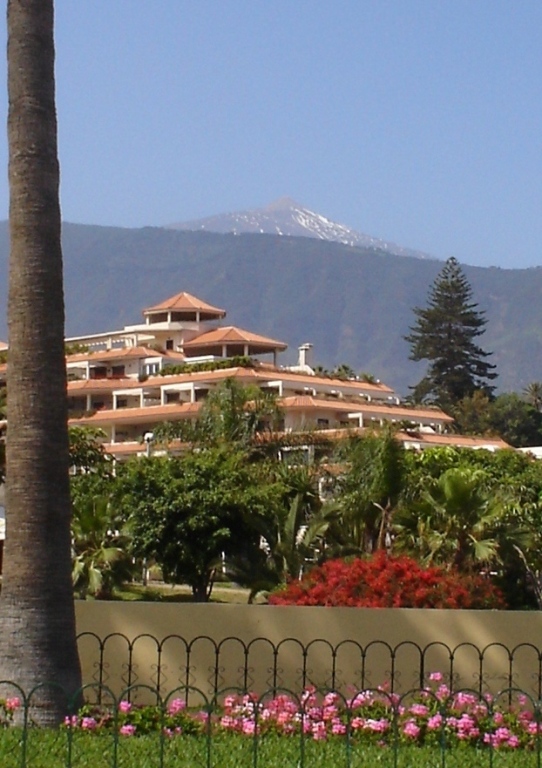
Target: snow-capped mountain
<point>286,217</point>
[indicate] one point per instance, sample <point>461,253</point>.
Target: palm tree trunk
<point>37,620</point>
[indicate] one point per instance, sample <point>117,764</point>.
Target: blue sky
<point>419,121</point>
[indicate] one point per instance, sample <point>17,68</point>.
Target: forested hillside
<point>354,304</point>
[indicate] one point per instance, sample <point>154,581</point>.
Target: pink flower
<point>127,730</point>
<point>249,727</point>
<point>411,729</point>
<point>228,722</point>
<point>176,706</point>
<point>338,728</point>
<point>124,706</point>
<point>71,722</point>
<point>464,699</point>
<point>434,722</point>
<point>12,703</point>
<point>420,710</point>
<point>378,726</point>
<point>89,723</point>
<point>319,732</point>
<point>435,677</point>
<point>442,692</point>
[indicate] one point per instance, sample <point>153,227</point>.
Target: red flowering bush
<point>384,581</point>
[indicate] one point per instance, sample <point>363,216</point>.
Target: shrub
<point>384,581</point>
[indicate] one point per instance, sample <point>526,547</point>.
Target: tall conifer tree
<point>445,334</point>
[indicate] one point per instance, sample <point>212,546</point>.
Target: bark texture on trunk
<point>37,620</point>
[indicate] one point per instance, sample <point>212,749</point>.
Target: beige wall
<point>210,646</point>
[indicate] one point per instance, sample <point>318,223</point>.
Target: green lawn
<point>167,593</point>
<point>49,749</point>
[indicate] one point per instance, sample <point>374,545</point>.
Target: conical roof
<point>185,302</point>
<point>230,334</point>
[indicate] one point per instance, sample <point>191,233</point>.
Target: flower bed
<point>429,716</point>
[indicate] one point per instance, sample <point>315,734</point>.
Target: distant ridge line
<point>289,218</point>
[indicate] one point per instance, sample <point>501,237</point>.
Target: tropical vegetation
<point>231,506</point>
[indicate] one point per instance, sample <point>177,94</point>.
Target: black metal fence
<point>119,662</point>
<point>232,703</point>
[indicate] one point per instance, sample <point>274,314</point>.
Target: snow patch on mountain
<point>287,217</point>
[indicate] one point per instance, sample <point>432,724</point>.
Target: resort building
<point>126,382</point>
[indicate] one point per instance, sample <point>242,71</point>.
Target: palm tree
<point>366,493</point>
<point>533,394</point>
<point>290,531</point>
<point>455,521</point>
<point>101,558</point>
<point>344,372</point>
<point>37,617</point>
<point>231,414</point>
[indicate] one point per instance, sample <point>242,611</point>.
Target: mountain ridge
<point>353,304</point>
<point>286,217</point>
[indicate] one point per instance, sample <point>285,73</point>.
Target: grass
<point>174,593</point>
<point>49,749</point>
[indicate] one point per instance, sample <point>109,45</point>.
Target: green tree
<point>533,394</point>
<point>292,529</point>
<point>86,451</point>
<point>37,617</point>
<point>231,414</point>
<point>517,422</point>
<point>472,414</point>
<point>344,372</point>
<point>445,334</point>
<point>452,521</point>
<point>187,512</point>
<point>508,487</point>
<point>508,415</point>
<point>366,493</point>
<point>101,556</point>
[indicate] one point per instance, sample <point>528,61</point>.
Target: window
<point>169,344</point>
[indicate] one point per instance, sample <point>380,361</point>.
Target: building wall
<point>218,646</point>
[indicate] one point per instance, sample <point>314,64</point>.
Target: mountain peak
<point>287,217</point>
<point>282,204</point>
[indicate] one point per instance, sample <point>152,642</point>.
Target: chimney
<point>305,355</point>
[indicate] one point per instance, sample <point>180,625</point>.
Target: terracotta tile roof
<point>99,385</point>
<point>230,334</point>
<point>134,448</point>
<point>460,441</point>
<point>423,438</point>
<point>187,302</point>
<point>149,414</point>
<point>301,402</point>
<point>155,382</point>
<point>300,378</point>
<point>122,353</point>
